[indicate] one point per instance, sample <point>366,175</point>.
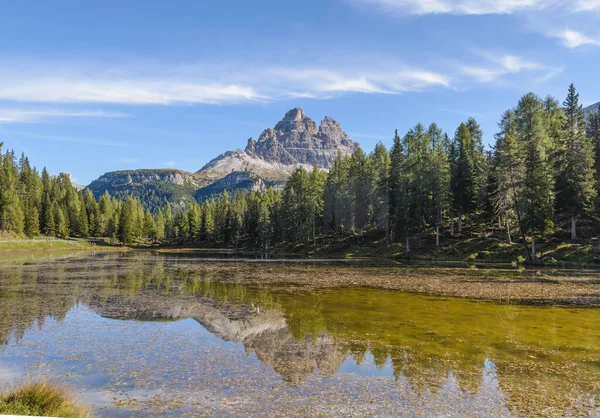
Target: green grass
<point>12,243</point>
<point>42,244</point>
<point>41,399</point>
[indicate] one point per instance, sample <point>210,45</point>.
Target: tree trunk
<point>452,227</point>
<point>508,232</point>
<point>532,246</point>
<point>459,223</point>
<point>437,235</point>
<point>387,231</point>
<point>407,250</point>
<point>573,229</point>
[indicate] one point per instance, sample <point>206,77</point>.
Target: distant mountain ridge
<point>295,141</point>
<point>591,108</point>
<point>154,187</point>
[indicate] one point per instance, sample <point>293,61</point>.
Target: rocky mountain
<point>295,141</point>
<point>231,182</point>
<point>154,187</point>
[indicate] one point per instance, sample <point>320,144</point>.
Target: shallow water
<point>137,334</point>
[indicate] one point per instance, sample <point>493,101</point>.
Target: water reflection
<point>485,358</point>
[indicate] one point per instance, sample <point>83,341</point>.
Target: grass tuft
<point>41,399</point>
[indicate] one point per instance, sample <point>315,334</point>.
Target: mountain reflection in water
<point>408,352</point>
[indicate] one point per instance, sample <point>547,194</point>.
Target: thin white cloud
<point>117,87</point>
<point>23,115</point>
<point>75,140</point>
<point>546,15</point>
<point>585,5</point>
<point>498,67</point>
<point>574,39</point>
<point>170,163</point>
<point>317,83</point>
<point>230,87</point>
<point>456,7</point>
<point>476,7</point>
<point>121,90</point>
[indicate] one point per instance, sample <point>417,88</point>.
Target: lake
<point>143,334</point>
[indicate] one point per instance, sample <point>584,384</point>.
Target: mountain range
<point>295,141</point>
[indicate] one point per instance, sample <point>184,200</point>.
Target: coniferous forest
<point>540,178</point>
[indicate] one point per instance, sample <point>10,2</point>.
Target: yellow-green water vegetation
<point>543,358</point>
<point>41,398</point>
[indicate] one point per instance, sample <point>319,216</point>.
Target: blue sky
<point>90,87</point>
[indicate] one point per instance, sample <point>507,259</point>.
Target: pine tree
<point>379,160</point>
<point>264,228</point>
<point>362,187</point>
<point>169,225</point>
<point>62,224</point>
<point>127,222</point>
<point>465,182</point>
<point>11,209</point>
<point>208,220</point>
<point>397,209</point>
<point>440,177</point>
<point>223,219</point>
<point>479,161</point>
<point>32,222</point>
<point>195,218</point>
<point>84,230</point>
<point>46,215</point>
<point>160,226</point>
<point>150,232</point>
<point>537,193</point>
<point>575,192</point>
<point>509,168</point>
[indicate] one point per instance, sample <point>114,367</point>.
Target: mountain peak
<point>250,147</point>
<point>296,120</point>
<point>295,114</point>
<point>329,121</point>
<point>295,140</point>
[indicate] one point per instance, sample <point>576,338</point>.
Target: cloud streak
<point>130,91</point>
<point>574,39</point>
<point>233,87</point>
<point>75,140</point>
<point>23,115</point>
<point>476,7</point>
<point>498,68</point>
<point>157,86</point>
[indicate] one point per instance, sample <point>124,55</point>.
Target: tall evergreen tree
<point>396,187</point>
<point>127,220</point>
<point>380,162</point>
<point>537,194</point>
<point>575,192</point>
<point>465,181</point>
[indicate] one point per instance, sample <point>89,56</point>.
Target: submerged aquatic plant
<point>41,398</point>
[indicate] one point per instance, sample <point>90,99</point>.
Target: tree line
<point>541,175</point>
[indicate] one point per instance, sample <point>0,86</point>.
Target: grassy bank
<point>41,399</point>
<point>475,248</point>
<point>12,243</point>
